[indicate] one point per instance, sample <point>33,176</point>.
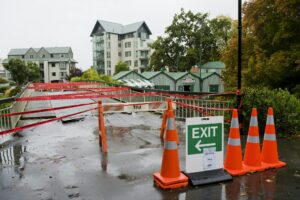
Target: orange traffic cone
<point>163,124</point>
<point>252,161</point>
<point>170,175</point>
<point>269,154</point>
<point>233,160</point>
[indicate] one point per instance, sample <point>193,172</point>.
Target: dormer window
<point>61,55</point>
<point>43,56</point>
<point>51,55</point>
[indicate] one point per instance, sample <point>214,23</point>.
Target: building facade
<point>55,63</point>
<point>3,72</point>
<point>113,42</point>
<point>178,81</point>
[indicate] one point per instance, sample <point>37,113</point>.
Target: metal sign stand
<point>205,150</point>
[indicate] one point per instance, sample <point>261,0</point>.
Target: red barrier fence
<point>20,128</point>
<point>82,96</point>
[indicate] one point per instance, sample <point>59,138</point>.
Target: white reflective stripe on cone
<point>234,142</point>
<point>234,123</point>
<point>171,124</point>
<point>170,145</point>
<point>270,119</point>
<point>253,139</point>
<point>253,121</point>
<point>270,137</point>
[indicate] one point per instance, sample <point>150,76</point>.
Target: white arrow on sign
<point>198,145</point>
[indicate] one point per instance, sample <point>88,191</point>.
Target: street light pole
<point>239,71</point>
<point>239,75</point>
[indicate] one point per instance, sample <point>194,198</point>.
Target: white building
<point>55,63</point>
<point>3,72</point>
<point>113,42</point>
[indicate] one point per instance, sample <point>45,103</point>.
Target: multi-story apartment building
<point>55,63</point>
<point>113,42</point>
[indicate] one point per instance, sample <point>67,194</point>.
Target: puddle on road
<point>12,162</point>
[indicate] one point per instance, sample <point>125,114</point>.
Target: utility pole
<point>200,61</point>
<point>239,71</point>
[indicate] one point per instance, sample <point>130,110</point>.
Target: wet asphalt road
<point>63,161</point>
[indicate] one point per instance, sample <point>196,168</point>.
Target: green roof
<point>149,75</point>
<point>176,75</point>
<point>120,75</point>
<point>204,75</point>
<point>213,65</point>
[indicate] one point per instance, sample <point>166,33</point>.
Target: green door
<point>213,88</point>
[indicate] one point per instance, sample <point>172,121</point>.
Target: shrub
<point>12,83</point>
<point>3,89</point>
<point>286,109</point>
<point>2,80</point>
<point>76,79</point>
<point>13,92</point>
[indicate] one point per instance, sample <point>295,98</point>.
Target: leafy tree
<point>91,75</point>
<point>75,72</point>
<point>121,66</point>
<point>18,70</point>
<point>191,39</point>
<point>33,72</point>
<point>271,46</point>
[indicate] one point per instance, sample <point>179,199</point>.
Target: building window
<point>128,62</point>
<point>53,64</point>
<point>43,56</point>
<point>63,74</point>
<point>107,36</point>
<point>108,45</point>
<point>108,54</point>
<point>31,56</point>
<point>127,44</point>
<point>23,57</point>
<point>61,55</point>
<point>120,54</point>
<point>51,55</point>
<point>108,72</point>
<point>53,73</point>
<point>109,64</point>
<point>135,63</point>
<point>119,44</point>
<point>62,65</point>
<point>214,88</point>
<point>136,44</point>
<point>127,53</point>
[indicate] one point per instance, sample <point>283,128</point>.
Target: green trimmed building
<point>178,81</point>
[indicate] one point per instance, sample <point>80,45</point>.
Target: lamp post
<point>239,71</point>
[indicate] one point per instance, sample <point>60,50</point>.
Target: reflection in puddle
<point>12,161</point>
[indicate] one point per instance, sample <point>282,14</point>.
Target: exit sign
<point>201,136</point>
<point>204,143</point>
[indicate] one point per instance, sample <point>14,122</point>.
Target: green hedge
<point>286,109</point>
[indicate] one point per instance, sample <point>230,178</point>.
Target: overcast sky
<point>49,23</point>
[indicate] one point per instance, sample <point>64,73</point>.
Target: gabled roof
<point>213,65</point>
<point>117,28</point>
<point>121,75</point>
<point>205,75</point>
<point>176,75</point>
<point>14,52</point>
<point>149,75</point>
<point>111,27</point>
